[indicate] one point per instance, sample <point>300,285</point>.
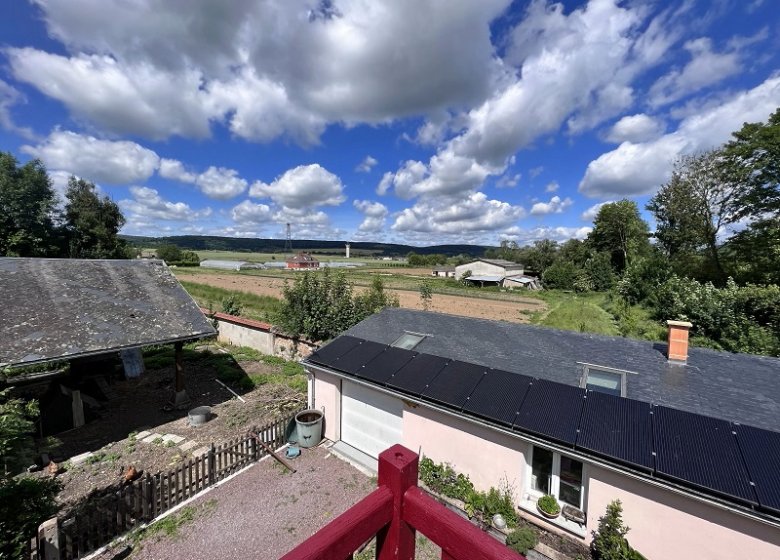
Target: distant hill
<point>255,245</point>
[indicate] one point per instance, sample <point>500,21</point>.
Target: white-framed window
<point>408,340</point>
<point>604,379</point>
<point>564,477</point>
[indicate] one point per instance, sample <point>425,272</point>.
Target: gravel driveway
<point>264,512</point>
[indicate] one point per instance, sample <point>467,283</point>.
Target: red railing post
<point>398,472</point>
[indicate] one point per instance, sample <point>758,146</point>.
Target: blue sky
<point>410,121</point>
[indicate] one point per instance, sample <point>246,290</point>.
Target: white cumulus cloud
<point>556,205</point>
<point>148,204</point>
<point>103,161</point>
<point>305,186</point>
<point>640,168</point>
<point>220,183</point>
<point>374,214</point>
<point>635,128</point>
<point>590,214</point>
<point>366,165</point>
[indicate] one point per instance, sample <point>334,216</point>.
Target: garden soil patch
<point>140,404</point>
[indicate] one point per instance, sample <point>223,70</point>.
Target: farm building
<point>86,312</point>
<point>521,281</point>
<point>302,261</point>
<point>230,265</point>
<point>444,272</point>
<point>686,438</point>
<point>488,271</point>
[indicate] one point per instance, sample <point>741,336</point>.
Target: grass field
<point>576,312</point>
<point>262,308</point>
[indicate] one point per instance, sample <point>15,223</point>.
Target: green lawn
<point>576,312</point>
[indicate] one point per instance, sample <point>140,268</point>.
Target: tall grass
<point>576,312</point>
<point>262,308</point>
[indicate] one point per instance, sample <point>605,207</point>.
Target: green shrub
<point>561,275</point>
<point>549,504</point>
<point>482,506</point>
<point>522,539</point>
<point>25,503</point>
<point>442,479</point>
<point>231,305</point>
<point>609,541</point>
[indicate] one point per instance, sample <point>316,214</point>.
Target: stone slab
<point>78,459</point>
<point>186,446</point>
<point>142,434</point>
<point>151,438</point>
<point>172,437</point>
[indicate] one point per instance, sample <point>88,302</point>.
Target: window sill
<point>529,506</point>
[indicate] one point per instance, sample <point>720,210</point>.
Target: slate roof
<point>741,388</point>
<point>66,308</point>
<point>503,263</point>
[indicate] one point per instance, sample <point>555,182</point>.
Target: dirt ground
<point>140,405</point>
<point>456,305</point>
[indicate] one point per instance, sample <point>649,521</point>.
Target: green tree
<point>753,254</point>
<point>28,207</point>
<point>169,252</point>
<point>426,294</point>
<point>752,161</point>
<point>693,208</point>
<point>561,275</point>
<point>598,269</point>
<point>541,255</point>
<point>620,231</point>
<point>374,299</point>
<point>609,541</point>
<point>25,502</point>
<point>92,223</point>
<point>575,252</point>
<point>320,305</point>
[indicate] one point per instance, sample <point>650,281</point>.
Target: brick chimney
<point>678,341</point>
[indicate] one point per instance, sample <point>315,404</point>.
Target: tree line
<point>34,222</point>
<point>713,259</point>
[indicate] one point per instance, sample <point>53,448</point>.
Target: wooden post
<point>212,464</point>
<point>49,539</point>
<point>180,398</point>
<point>398,472</point>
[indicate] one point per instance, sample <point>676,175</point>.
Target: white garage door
<point>370,421</point>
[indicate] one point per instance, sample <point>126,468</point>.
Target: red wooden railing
<point>394,512</point>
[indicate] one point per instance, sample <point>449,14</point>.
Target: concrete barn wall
<point>479,268</point>
<point>238,331</point>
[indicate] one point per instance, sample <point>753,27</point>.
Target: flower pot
<point>547,515</point>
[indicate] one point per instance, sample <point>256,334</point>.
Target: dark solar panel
<point>332,351</point>
<point>617,428</point>
<point>417,373</point>
<point>383,366</point>
<point>700,450</point>
<point>498,396</point>
<point>761,451</point>
<point>454,384</point>
<point>352,361</point>
<point>551,409</point>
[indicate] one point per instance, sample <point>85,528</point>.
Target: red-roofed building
<point>302,260</point>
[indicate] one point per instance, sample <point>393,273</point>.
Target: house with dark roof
<point>686,438</point>
<point>302,261</point>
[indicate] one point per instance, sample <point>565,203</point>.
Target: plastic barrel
<point>309,424</point>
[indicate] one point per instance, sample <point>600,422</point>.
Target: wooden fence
<point>109,513</point>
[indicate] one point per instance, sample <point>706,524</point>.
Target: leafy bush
<point>609,541</point>
<point>561,275</point>
<point>320,305</point>
<point>231,305</point>
<point>522,539</point>
<point>442,479</point>
<point>549,504</point>
<point>738,319</point>
<point>598,269</point>
<point>482,506</point>
<point>25,503</point>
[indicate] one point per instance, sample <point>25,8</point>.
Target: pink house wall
<point>665,524</point>
<point>486,456</point>
<point>327,397</point>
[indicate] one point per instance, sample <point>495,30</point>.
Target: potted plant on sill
<point>548,506</point>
